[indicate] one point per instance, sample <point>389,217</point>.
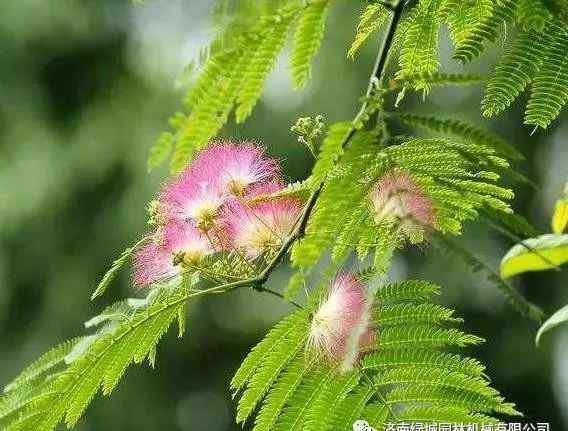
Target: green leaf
<point>117,265</point>
<point>371,19</point>
<point>549,91</point>
<point>556,319</point>
<point>535,254</point>
<point>262,61</point>
<point>307,40</point>
<point>46,362</point>
<point>419,54</point>
<point>160,150</point>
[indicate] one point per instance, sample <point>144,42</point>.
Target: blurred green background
<point>86,86</point>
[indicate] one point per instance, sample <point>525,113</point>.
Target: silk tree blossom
<point>195,198</point>
<point>398,198</point>
<point>256,228</point>
<point>220,173</point>
<point>186,244</point>
<point>173,246</point>
<point>237,166</point>
<point>153,263</point>
<point>341,330</point>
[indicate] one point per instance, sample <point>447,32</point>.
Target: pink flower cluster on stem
<point>207,209</point>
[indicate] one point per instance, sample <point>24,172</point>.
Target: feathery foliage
<point>370,21</point>
<point>538,58</point>
<point>549,91</point>
<point>235,69</point>
<point>115,268</point>
<point>307,39</point>
<point>61,384</point>
<point>419,54</point>
<point>456,174</point>
<point>406,376</point>
<point>496,13</point>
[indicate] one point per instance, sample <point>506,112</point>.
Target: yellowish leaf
<point>535,254</point>
<point>560,217</point>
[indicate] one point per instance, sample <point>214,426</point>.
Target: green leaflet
<point>63,394</point>
<point>328,220</point>
<point>419,53</point>
<point>264,349</point>
<point>280,394</point>
<point>270,367</point>
<point>370,21</point>
<point>161,150</point>
<point>262,61</point>
<point>117,265</point>
<point>234,71</point>
<point>535,254</point>
<point>307,40</point>
<point>485,29</point>
<point>46,362</point>
<point>558,318</point>
<point>522,59</point>
<point>463,17</point>
<point>461,130</point>
<point>549,92</point>
<point>532,14</point>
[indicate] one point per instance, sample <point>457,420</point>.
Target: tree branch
<point>299,230</point>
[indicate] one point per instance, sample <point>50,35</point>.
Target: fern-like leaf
<point>550,86</point>
<point>463,130</point>
<point>45,363</point>
<point>262,61</point>
<point>270,368</point>
<point>115,268</point>
<point>370,21</point>
<point>515,71</point>
<point>487,29</point>
<point>533,14</point>
<point>307,40</point>
<point>419,54</point>
<point>65,394</point>
<point>405,375</point>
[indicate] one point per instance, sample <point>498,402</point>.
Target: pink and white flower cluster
<point>397,198</point>
<point>341,329</point>
<point>209,208</point>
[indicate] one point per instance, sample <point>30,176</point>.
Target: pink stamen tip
<point>153,263</point>
<point>256,228</point>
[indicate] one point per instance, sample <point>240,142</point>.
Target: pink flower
<point>153,263</point>
<point>398,198</point>
<point>256,228</point>
<point>185,243</point>
<point>172,246</point>
<point>220,173</point>
<point>193,199</point>
<point>341,329</point>
<point>237,166</point>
